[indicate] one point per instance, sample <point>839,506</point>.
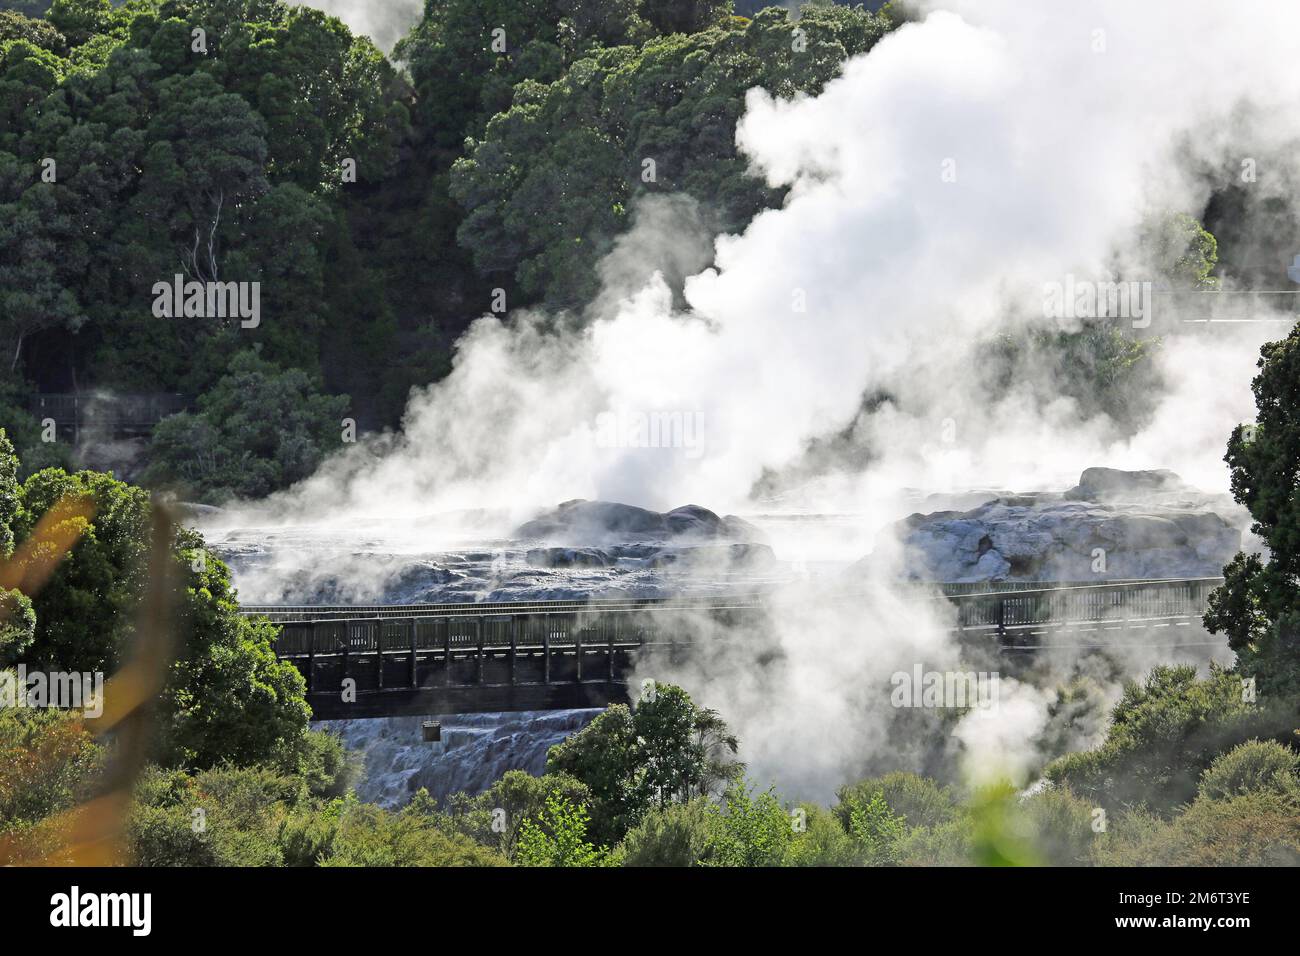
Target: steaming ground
<point>935,190</point>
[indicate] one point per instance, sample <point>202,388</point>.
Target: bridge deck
<point>539,655</point>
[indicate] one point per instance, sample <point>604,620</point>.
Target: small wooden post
<point>379,651</point>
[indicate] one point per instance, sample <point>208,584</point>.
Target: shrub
<point>1255,765</point>
<point>558,836</point>
<point>676,835</point>
<point>1164,733</point>
<point>750,831</point>
<point>1259,828</point>
<point>920,801</point>
<point>370,836</point>
<point>259,429</point>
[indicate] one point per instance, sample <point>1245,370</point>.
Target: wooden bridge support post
<point>379,653</point>
<point>415,676</point>
<point>311,659</point>
<point>514,646</point>
<point>546,650</point>
<point>478,634</point>
<point>446,650</point>
<point>577,647</point>
<point>612,629</point>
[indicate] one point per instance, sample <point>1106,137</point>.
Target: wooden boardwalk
<point>547,655</point>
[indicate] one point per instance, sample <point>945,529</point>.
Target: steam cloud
<point>1061,152</point>
<point>384,21</point>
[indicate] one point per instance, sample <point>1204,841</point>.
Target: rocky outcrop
<point>582,523</point>
<point>635,557</point>
<point>1112,525</point>
<point>475,750</point>
<point>1112,484</point>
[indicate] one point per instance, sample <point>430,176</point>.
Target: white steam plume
<point>384,21</point>
<point>1067,127</point>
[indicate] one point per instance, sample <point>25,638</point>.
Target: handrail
<point>306,612</point>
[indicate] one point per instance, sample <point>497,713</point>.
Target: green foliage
<point>17,624</point>
<point>8,494</point>
<point>14,25</point>
<point>679,834</point>
<point>1060,826</point>
<point>918,801</point>
<point>824,842</point>
<point>328,770</point>
<point>258,430</point>
<point>85,613</point>
<point>28,8</point>
<point>25,432</point>
<point>877,830</point>
<point>221,817</point>
<point>1102,368</point>
<point>558,837</point>
<point>547,186</point>
<point>1181,250</point>
<point>667,750</point>
<point>1258,828</point>
<point>219,165</point>
<point>495,817</point>
<point>751,830</point>
<point>1256,765</point>
<point>369,836</point>
<point>1258,606</point>
<point>227,696</point>
<point>48,762</point>
<point>1164,733</point>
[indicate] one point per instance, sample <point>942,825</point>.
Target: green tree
<point>258,430</point>
<point>877,829</point>
<point>549,183</point>
<point>752,830</point>
<point>666,750</point>
<point>227,696</point>
<point>495,817</point>
<point>558,837</point>
<point>1258,606</point>
<point>48,762</point>
<point>15,26</point>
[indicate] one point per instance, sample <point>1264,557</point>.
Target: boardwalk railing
<point>537,655</point>
<point>110,411</point>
